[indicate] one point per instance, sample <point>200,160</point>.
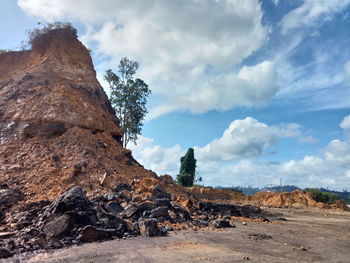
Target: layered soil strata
<point>57,126</point>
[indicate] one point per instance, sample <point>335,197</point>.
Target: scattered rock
<point>136,211</point>
<point>114,208</point>
<point>259,236</point>
<point>58,226</point>
<point>161,211</point>
<point>4,253</point>
<point>91,233</point>
<point>121,187</point>
<point>244,223</point>
<point>73,199</point>
<point>149,227</point>
<point>8,197</point>
<point>221,223</point>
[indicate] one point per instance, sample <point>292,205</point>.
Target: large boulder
<point>73,199</point>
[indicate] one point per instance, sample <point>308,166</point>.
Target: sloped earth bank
<point>305,236</point>
<point>128,211</point>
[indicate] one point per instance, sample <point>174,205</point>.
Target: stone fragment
<point>149,227</point>
<point>74,198</point>
<point>121,187</point>
<point>5,253</point>
<point>220,223</point>
<point>159,192</point>
<point>114,208</point>
<point>58,226</point>
<point>161,211</point>
<point>91,233</point>
<point>136,211</point>
<point>8,197</point>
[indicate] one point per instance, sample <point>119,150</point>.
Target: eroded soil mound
<point>57,127</point>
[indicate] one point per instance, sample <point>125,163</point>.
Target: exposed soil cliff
<point>57,127</point>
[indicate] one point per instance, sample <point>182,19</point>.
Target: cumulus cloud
<point>229,159</point>
<point>190,51</point>
<point>158,159</point>
<point>245,139</point>
<point>311,12</point>
<point>250,86</point>
<point>345,123</point>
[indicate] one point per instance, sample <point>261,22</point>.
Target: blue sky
<point>260,89</point>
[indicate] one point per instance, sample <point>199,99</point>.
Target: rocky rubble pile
<point>73,218</point>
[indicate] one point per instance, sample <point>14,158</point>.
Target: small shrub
<point>4,50</point>
<point>323,197</point>
<point>36,33</point>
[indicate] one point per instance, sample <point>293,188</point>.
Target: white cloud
<point>245,139</point>
<point>158,159</point>
<point>251,86</point>
<point>248,138</point>
<point>311,12</point>
<point>189,51</point>
<point>345,123</point>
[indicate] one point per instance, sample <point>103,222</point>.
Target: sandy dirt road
<point>306,236</point>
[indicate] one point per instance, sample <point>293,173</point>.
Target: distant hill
<point>344,195</point>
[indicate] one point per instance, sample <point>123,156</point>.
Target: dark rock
<point>259,236</point>
<point>220,223</point>
<point>136,211</point>
<point>91,233</point>
<point>88,217</point>
<point>2,215</point>
<point>8,197</point>
<point>161,211</point>
<point>179,214</point>
<point>114,208</point>
<point>149,227</point>
<point>4,253</point>
<point>248,210</point>
<point>121,187</point>
<point>56,158</point>
<point>159,192</point>
<point>58,226</point>
<point>161,202</point>
<point>73,199</point>
<point>219,209</point>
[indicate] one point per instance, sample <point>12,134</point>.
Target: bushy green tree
<point>324,197</point>
<point>128,98</point>
<point>187,169</point>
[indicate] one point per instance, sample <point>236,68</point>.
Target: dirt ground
<point>305,236</point>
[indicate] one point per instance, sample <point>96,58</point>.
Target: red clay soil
<point>57,127</point>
